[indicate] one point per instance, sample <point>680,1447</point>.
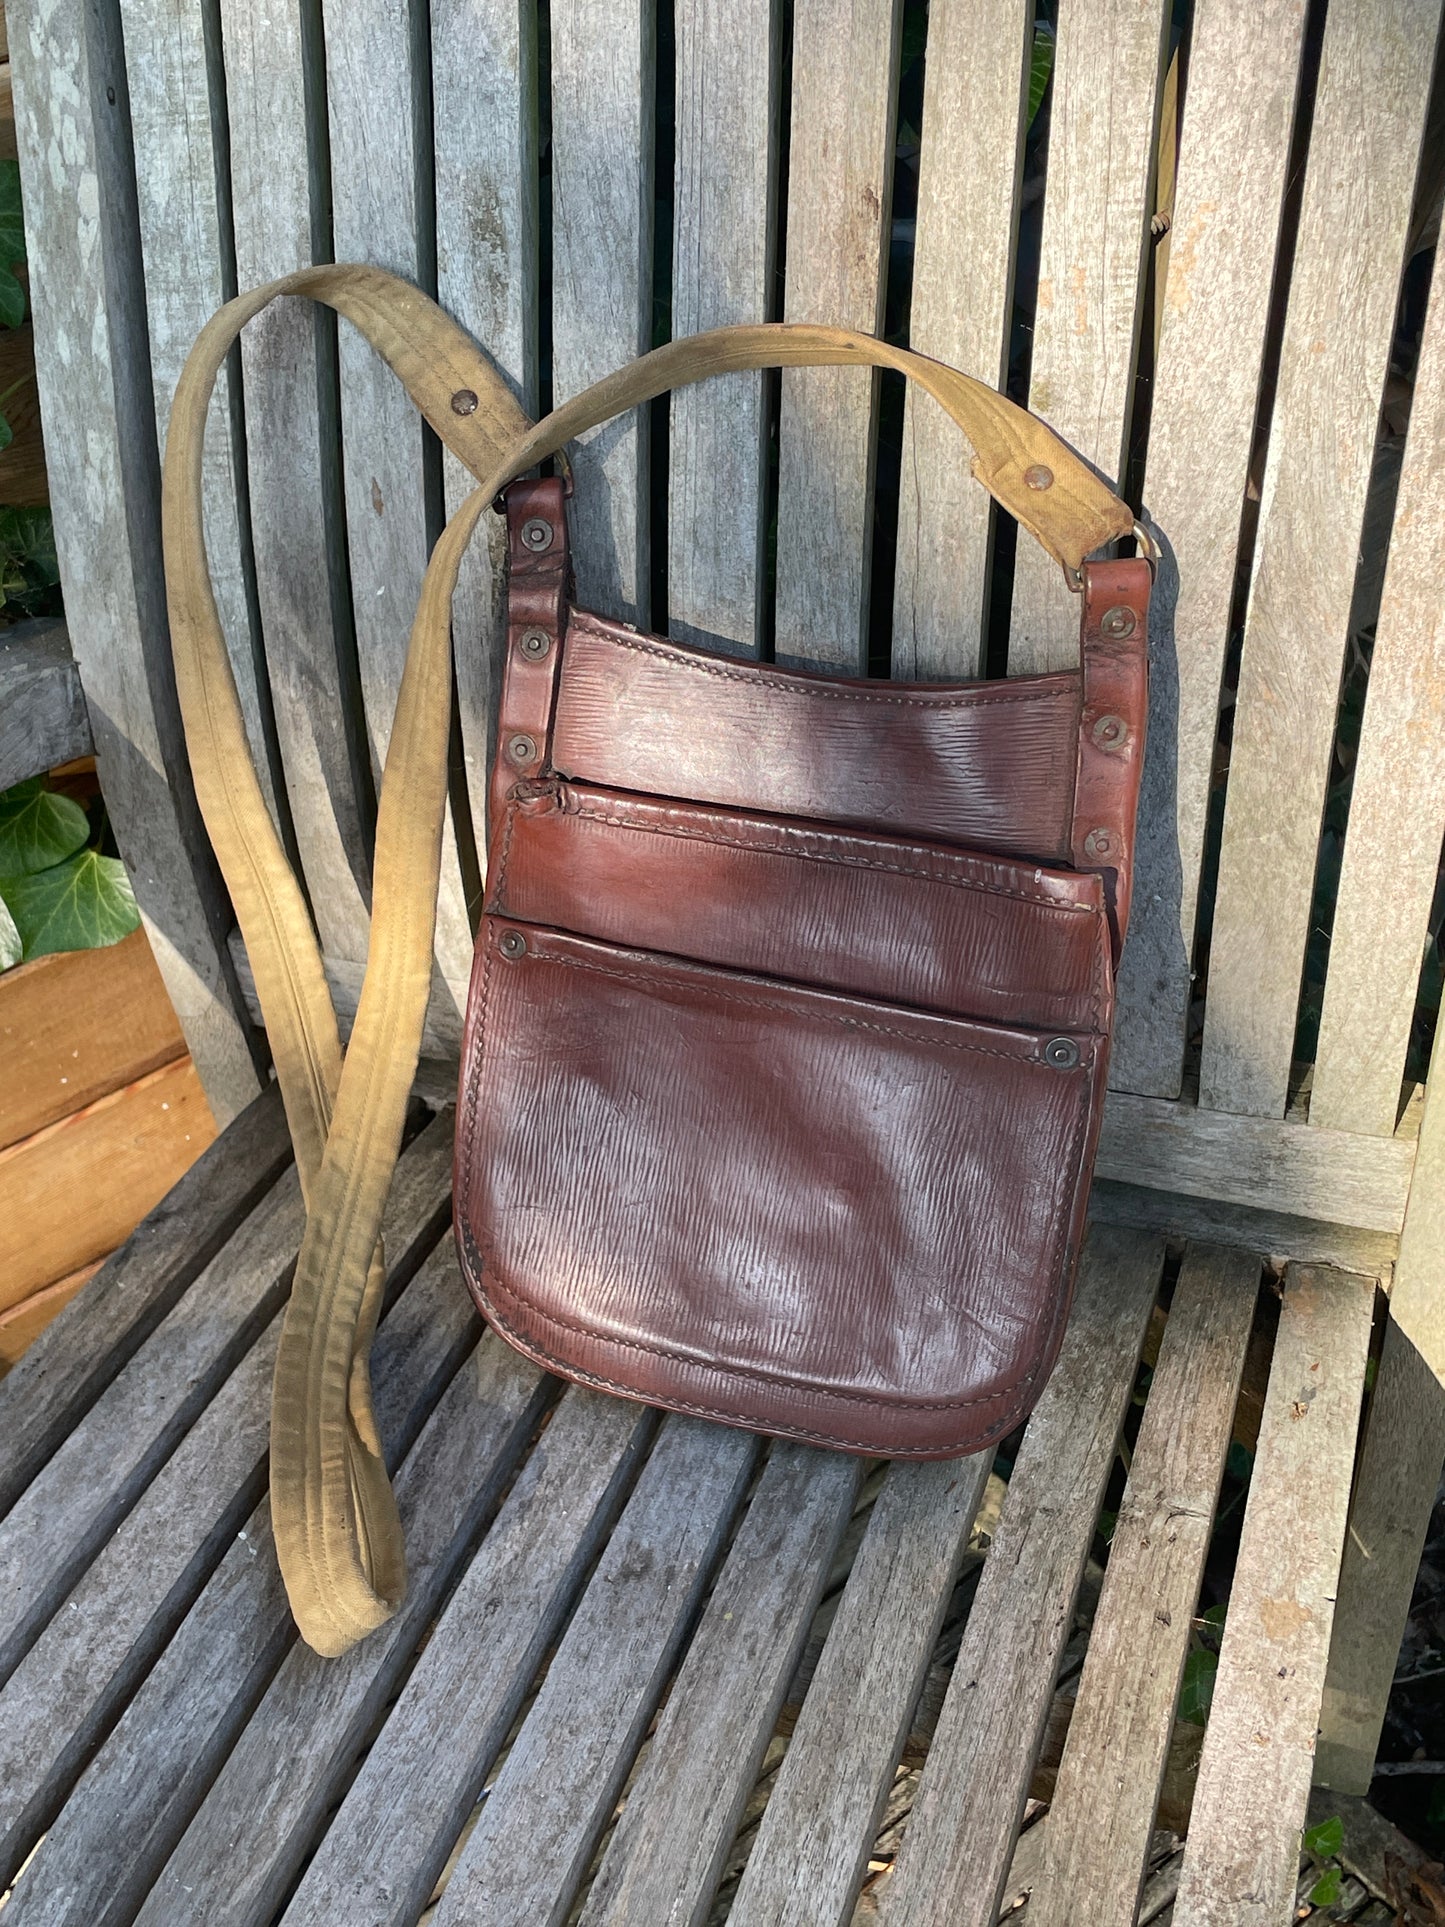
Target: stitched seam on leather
<point>1075,1159</point>
<point>790,1010</point>
<point>779,1428</point>
<point>987,694</point>
<point>827,856</point>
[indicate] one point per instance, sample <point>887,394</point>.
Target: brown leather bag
<point>789,1023</point>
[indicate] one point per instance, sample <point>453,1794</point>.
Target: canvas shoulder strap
<point>338,1537</point>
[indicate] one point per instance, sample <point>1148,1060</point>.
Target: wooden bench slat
<point>384,1850</point>
<point>1234,147</point>
<point>371,49</point>
<point>74,1681</point>
<point>484,119</point>
<point>560,1784</point>
<point>840,167</point>
<point>133,1803</point>
<point>1242,1857</point>
<point>250,1835</point>
<point>1397,801</point>
<point>43,718</point>
<point>177,196</point>
<point>822,1816</point>
<point>1098,197</point>
<point>666,1856</point>
<point>91,358</point>
<point>49,1390</point>
<point>724,221</point>
<point>975,86</point>
<point>1374,84</point>
<point>1108,1784</point>
<point>983,1749</point>
<point>294,493</point>
<point>602,217</point>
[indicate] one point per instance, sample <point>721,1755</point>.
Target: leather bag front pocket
<point>822,1215</point>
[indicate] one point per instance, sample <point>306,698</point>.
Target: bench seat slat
<point>1242,1858</point>
<point>822,1816</point>
<point>560,1783</point>
<point>983,1750</point>
<point>1103,1807</point>
<point>49,1390</point>
<point>106,1850</point>
<point>666,1856</point>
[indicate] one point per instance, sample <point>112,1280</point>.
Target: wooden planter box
<point>100,1112</point>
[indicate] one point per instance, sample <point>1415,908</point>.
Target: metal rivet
<point>1038,476</point>
<point>522,749</point>
<point>1098,843</point>
<point>1061,1052</point>
<point>464,402</point>
<point>512,944</point>
<point>534,644</point>
<point>536,535</point>
<point>1118,623</point>
<point>1110,732</point>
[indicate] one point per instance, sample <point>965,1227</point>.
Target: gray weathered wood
<point>383,1851</point>
<point>91,361</point>
<point>296,513</point>
<point>682,1811</point>
<point>73,1682</point>
<point>441,1038</point>
<point>177,173</point>
<point>1399,1471</point>
<point>49,1390</point>
<point>812,1846</point>
<point>840,172</point>
<point>602,189</point>
<point>1270,1164</point>
<point>372,51</point>
<point>242,1850</point>
<point>1397,801</point>
<point>724,205</point>
<point>1272,1234</point>
<point>1113,1765</point>
<point>43,718</point>
<point>1098,197</point>
<point>562,1777</point>
<point>102,1856</point>
<point>1374,83</point>
<point>983,1749</point>
<point>1242,1857</point>
<point>974,105</point>
<point>484,113</point>
<point>1235,141</point>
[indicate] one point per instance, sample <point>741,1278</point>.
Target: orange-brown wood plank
<point>23,1323</point>
<point>75,1027</point>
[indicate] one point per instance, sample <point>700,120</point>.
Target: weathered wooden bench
<point>656,1671</point>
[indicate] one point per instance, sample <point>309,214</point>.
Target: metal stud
<point>512,944</point>
<point>1118,623</point>
<point>1061,1052</point>
<point>1039,476</point>
<point>1109,733</point>
<point>1098,843</point>
<point>521,749</point>
<point>464,402</point>
<point>534,644</point>
<point>536,534</point>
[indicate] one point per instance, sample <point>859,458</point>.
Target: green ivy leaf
<point>1041,65</point>
<point>28,536</point>
<point>12,300</point>
<point>12,222</point>
<point>38,829</point>
<point>11,948</point>
<point>1324,1841</point>
<point>1197,1689</point>
<point>7,433</point>
<point>84,903</point>
<point>1326,1890</point>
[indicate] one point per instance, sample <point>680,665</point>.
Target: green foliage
<point>38,829</point>
<point>29,570</point>
<point>1041,65</point>
<point>55,892</point>
<point>1324,1841</point>
<point>1196,1691</point>
<point>12,246</point>
<point>1326,1890</point>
